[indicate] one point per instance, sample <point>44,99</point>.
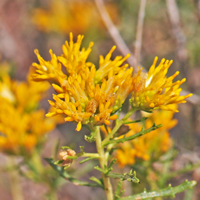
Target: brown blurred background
<point>171,30</point>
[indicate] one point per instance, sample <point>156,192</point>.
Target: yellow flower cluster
<point>148,146</point>
<point>85,94</point>
<point>22,126</point>
<point>63,16</point>
<point>153,90</point>
<point>91,96</point>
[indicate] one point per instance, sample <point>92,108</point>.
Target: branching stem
<point>118,125</point>
<point>103,163</point>
<point>17,193</point>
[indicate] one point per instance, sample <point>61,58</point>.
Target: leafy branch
<point>65,175</point>
<point>169,191</point>
<point>119,123</point>
<point>187,168</point>
<point>131,176</point>
<point>142,132</point>
<point>89,156</point>
<point>135,121</point>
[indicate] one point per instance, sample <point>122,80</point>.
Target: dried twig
<point>115,33</point>
<point>198,9</point>
<point>182,52</point>
<point>174,19</point>
<point>138,41</point>
<point>12,44</point>
<point>6,39</point>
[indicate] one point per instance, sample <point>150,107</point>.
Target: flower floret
<point>154,90</point>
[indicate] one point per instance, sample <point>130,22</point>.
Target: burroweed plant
<point>93,97</point>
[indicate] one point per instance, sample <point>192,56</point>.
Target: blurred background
<point>168,29</point>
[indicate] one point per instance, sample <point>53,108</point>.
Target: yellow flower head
<point>153,90</point>
<point>126,154</point>
<point>85,94</point>
<point>21,132</point>
<point>150,145</point>
<point>22,126</point>
<point>63,17</point>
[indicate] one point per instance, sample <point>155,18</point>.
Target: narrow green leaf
<point>58,162</point>
<point>112,163</point>
<point>132,137</point>
<point>99,169</point>
<point>135,121</point>
<point>119,192</point>
<point>96,180</point>
<point>72,157</point>
<point>65,147</point>
<point>86,159</point>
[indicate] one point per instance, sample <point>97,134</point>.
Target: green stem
<point>166,170</point>
<point>36,163</point>
<point>103,163</point>
<point>53,195</point>
<point>109,148</point>
<point>167,192</point>
<point>79,155</point>
<point>118,125</point>
<point>38,169</point>
<point>151,181</point>
<point>93,155</point>
<point>15,184</point>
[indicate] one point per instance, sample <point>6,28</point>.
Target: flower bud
<point>64,154</point>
